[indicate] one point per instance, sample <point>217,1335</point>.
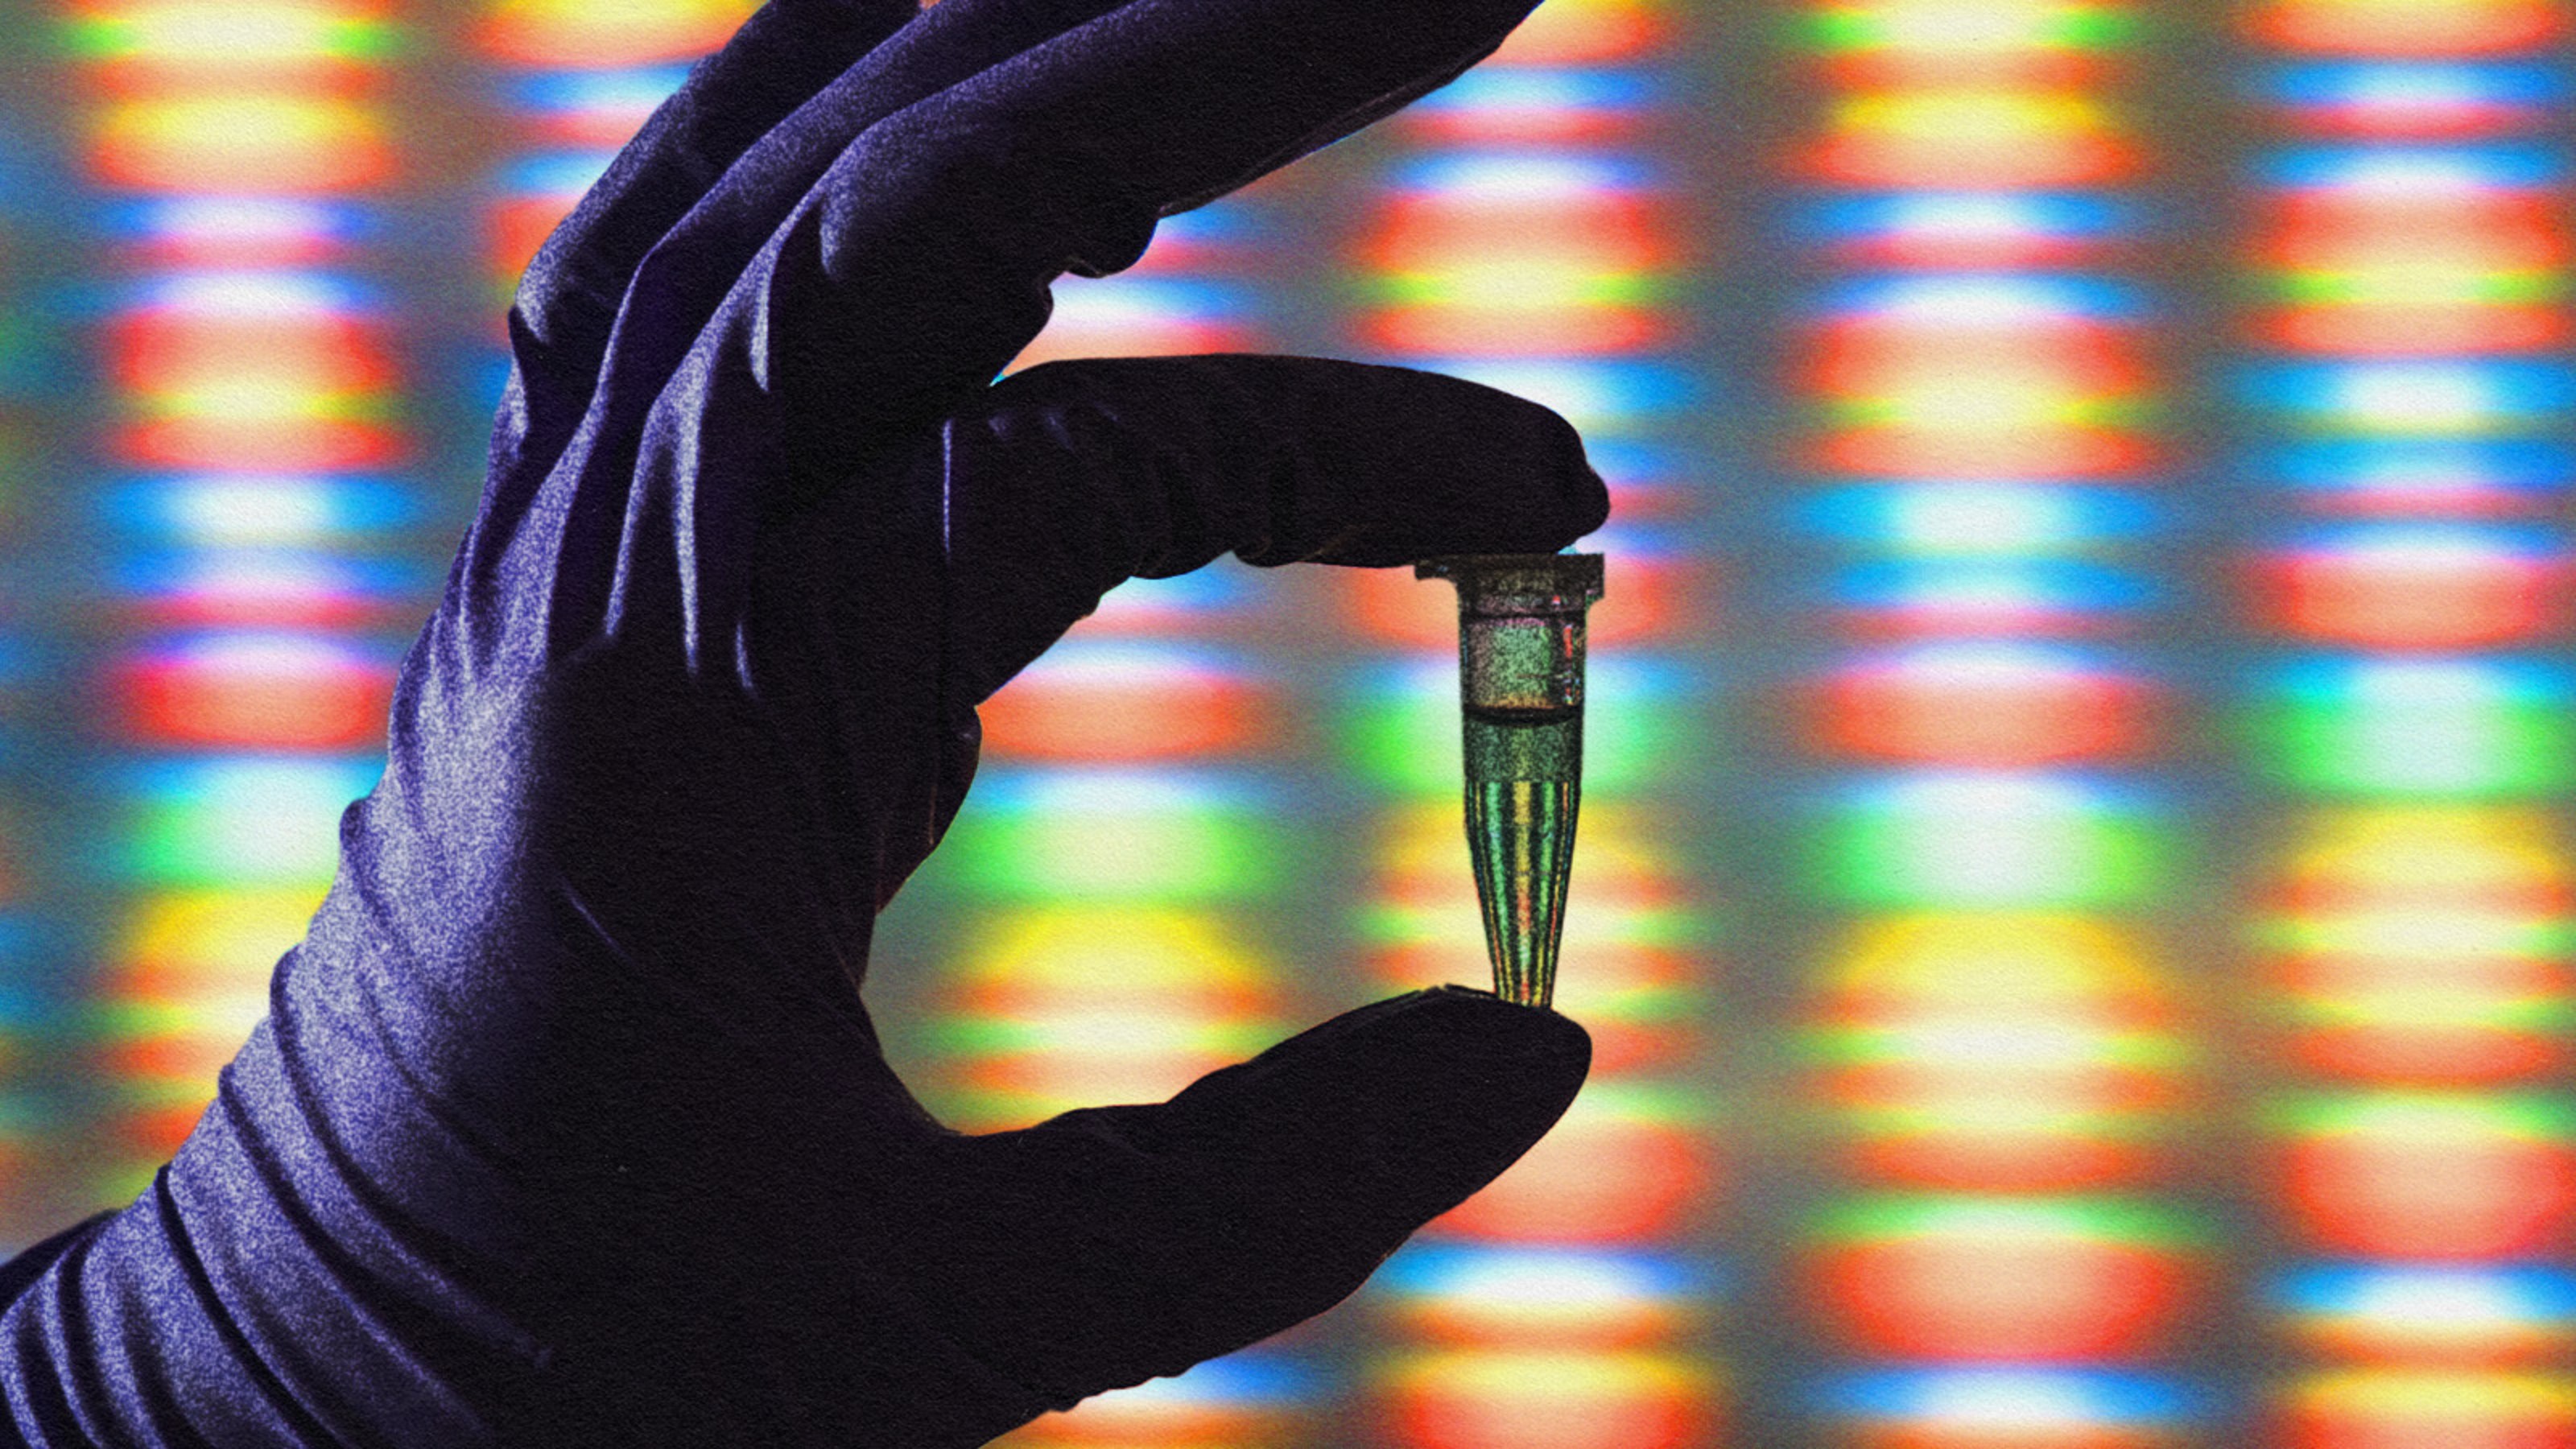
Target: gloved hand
<point>567,1127</point>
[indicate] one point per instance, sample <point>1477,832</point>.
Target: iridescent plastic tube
<point>1520,696</point>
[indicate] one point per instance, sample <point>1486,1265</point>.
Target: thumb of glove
<point>1116,1244</point>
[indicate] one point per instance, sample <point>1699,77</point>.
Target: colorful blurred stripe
<point>1519,234</point>
<point>28,1000</point>
<point>249,150</point>
<point>1992,1047</point>
<point>2407,250</point>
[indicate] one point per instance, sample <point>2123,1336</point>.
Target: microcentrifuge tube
<point>1520,698</point>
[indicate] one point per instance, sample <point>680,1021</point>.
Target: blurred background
<point>2074,896</point>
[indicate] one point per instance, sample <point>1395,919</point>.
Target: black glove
<point>567,1127</point>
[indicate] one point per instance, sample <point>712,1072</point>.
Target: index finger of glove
<point>915,268</point>
<point>1073,477</point>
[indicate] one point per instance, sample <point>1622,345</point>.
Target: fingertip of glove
<point>1513,468</point>
<point>1432,1095</point>
<point>1494,1031</point>
<point>1449,1074</point>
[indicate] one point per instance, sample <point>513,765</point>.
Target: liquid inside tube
<point>1523,788</point>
